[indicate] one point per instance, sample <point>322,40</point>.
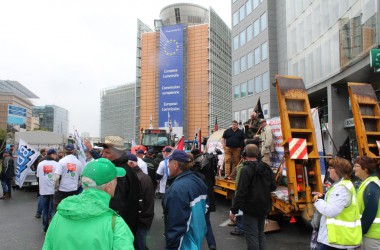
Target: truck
<point>156,139</point>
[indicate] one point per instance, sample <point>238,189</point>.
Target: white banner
<point>80,153</point>
<point>26,156</point>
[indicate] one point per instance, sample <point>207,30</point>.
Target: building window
<point>235,18</point>
<point>250,60</point>
<point>257,55</point>
<point>242,13</point>
<point>243,89</point>
<point>236,92</point>
<point>243,115</point>
<point>243,64</point>
<point>250,87</point>
<point>248,7</point>
<point>264,51</point>
<point>265,109</point>
<point>177,15</point>
<point>258,84</point>
<point>236,42</point>
<point>237,116</point>
<point>249,32</point>
<point>255,4</point>
<point>242,38</point>
<point>263,20</point>
<point>265,77</point>
<point>236,67</point>
<point>256,27</point>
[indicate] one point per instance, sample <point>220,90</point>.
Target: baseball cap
<point>151,151</point>
<point>102,171</point>
<point>51,151</point>
<point>113,141</point>
<point>132,157</point>
<point>167,149</point>
<point>140,152</point>
<point>179,155</point>
<point>69,147</point>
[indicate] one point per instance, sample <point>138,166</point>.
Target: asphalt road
<point>19,229</point>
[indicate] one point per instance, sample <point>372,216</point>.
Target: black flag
<point>258,110</point>
<point>345,151</point>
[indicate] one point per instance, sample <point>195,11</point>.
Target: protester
<point>146,204</point>
<point>184,205</point>
<point>369,201</point>
<point>267,145</point>
<point>233,139</point>
<point>88,155</point>
<point>85,221</point>
<point>127,194</point>
<point>253,197</point>
<point>142,164</point>
<point>7,174</point>
<point>67,175</point>
<point>340,221</point>
<point>204,169</point>
<point>252,126</point>
<point>34,166</point>
<point>45,175</point>
<point>152,166</point>
<point>163,171</point>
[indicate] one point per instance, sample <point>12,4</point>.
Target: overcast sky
<point>67,51</point>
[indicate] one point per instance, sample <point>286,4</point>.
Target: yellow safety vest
<point>345,229</point>
<point>374,230</point>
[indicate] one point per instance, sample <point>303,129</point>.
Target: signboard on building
<point>375,58</point>
<point>16,119</point>
<point>170,104</point>
<point>349,123</point>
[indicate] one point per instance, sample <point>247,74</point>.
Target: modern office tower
<point>327,43</point>
<point>117,111</point>
<point>184,71</point>
<point>52,118</point>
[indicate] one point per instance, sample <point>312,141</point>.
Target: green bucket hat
<point>102,171</point>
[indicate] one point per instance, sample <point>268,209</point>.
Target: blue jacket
<point>184,207</point>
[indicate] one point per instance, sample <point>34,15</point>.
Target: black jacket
<point>152,168</point>
<point>253,194</point>
<point>127,195</point>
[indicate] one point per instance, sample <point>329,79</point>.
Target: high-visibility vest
<point>374,230</point>
<point>345,229</point>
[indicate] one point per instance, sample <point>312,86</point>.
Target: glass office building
<point>52,118</point>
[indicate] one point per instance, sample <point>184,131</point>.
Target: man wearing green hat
<point>85,221</point>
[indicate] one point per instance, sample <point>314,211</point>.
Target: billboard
<point>16,118</point>
<point>170,103</point>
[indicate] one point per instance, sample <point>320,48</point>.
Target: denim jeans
<point>140,239</point>
<point>4,183</point>
<point>209,235</point>
<point>326,247</point>
<point>47,201</point>
<point>39,206</point>
<point>239,224</point>
<point>254,231</point>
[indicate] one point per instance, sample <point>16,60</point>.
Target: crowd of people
<point>109,202</point>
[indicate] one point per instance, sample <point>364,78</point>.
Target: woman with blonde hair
<point>369,201</point>
<point>340,222</point>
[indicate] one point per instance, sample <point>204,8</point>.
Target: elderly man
<point>147,203</point>
<point>85,221</point>
<point>184,205</point>
<point>267,146</point>
<point>127,193</point>
<point>252,126</point>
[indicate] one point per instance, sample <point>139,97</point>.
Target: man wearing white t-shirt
<point>45,175</point>
<point>142,164</point>
<point>163,171</point>
<point>66,177</point>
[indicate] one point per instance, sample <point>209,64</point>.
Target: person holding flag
<point>252,126</point>
<point>162,173</point>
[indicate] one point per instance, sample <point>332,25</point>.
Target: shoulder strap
<point>113,222</point>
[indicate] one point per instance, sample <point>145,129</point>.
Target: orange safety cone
<point>292,220</point>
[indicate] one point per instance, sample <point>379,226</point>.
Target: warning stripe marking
<point>298,148</point>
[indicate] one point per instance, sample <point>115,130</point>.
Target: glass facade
<point>52,118</point>
<point>330,35</point>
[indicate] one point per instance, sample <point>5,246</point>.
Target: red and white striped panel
<point>298,149</point>
<point>378,146</point>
